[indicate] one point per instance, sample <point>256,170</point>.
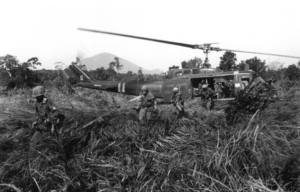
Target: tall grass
<point>115,153</point>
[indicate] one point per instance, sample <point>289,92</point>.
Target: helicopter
<point>186,79</point>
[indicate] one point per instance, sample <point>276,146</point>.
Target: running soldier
<point>178,103</point>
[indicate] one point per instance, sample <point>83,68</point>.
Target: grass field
<point>115,153</point>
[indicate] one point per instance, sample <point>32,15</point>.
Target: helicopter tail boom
<point>79,72</point>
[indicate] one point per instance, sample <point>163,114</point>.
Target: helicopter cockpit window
<point>245,82</point>
<point>169,75</point>
<point>195,71</point>
<point>187,72</point>
<point>179,73</point>
<point>246,79</point>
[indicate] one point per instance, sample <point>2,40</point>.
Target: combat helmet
<point>38,91</point>
<point>145,88</point>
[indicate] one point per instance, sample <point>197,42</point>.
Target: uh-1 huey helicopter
<point>186,79</point>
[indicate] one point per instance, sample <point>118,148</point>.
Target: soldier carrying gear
<point>178,103</point>
<point>271,89</point>
<point>217,89</point>
<point>200,86</point>
<point>206,95</point>
<point>47,116</point>
<point>226,89</point>
<point>147,105</point>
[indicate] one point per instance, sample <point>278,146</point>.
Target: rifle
<point>178,107</point>
<point>44,126</point>
<point>134,99</point>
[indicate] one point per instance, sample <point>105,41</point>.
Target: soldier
<point>271,89</point>
<point>147,105</point>
<point>226,89</point>
<point>206,95</point>
<point>231,87</point>
<point>47,116</point>
<point>178,103</point>
<point>217,89</point>
<point>200,86</point>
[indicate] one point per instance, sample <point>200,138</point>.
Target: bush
<point>247,102</point>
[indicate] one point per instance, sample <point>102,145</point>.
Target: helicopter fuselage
<point>187,80</point>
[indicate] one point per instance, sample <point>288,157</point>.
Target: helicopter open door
<point>184,86</point>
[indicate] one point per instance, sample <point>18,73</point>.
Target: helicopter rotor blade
<point>209,43</point>
<point>219,49</point>
<point>144,38</point>
<point>195,46</point>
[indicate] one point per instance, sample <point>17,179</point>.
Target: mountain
<point>103,59</point>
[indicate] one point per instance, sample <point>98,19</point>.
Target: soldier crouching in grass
<point>178,103</point>
<point>48,118</point>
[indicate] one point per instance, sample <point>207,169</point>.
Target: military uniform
<point>271,89</point>
<point>178,104</point>
<point>47,116</point>
<point>199,87</point>
<point>206,96</point>
<point>226,90</point>
<point>146,106</point>
<point>217,87</point>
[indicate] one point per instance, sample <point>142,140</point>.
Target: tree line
<point>274,70</point>
<point>14,73</point>
<point>17,74</point>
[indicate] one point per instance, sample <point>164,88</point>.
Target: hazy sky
<point>48,29</point>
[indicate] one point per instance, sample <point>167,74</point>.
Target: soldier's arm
<point>181,99</point>
<point>201,93</point>
<point>155,104</point>
<point>212,92</point>
<point>36,112</point>
<point>151,100</point>
<point>141,102</point>
<point>54,111</point>
<point>172,99</point>
<point>178,98</point>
